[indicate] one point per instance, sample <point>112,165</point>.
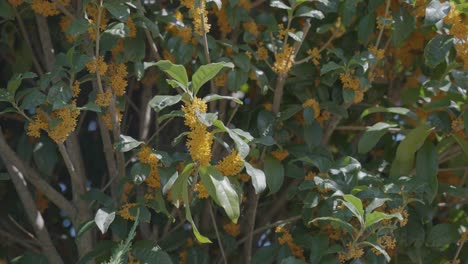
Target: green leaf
<point>214,97</point>
<point>274,172</point>
<point>376,203</point>
<point>99,196</point>
<point>463,144</point>
<point>375,217</point>
<point>404,25</point>
<point>393,110</point>
<point>242,147</point>
<point>135,49</point>
<point>427,168</point>
<point>103,220</point>
<point>117,29</point>
<point>226,196</point>
<point>91,106</point>
<point>188,214</point>
<point>159,102</point>
<point>340,222</point>
<point>380,249</point>
<point>118,10</point>
<point>257,176</point>
<point>297,36</point>
<point>6,10</point>
<point>292,260</point>
<point>85,227</point>
<point>330,66</point>
<point>127,143</point>
<point>372,135</point>
<point>437,50</point>
<point>206,73</point>
<point>32,99</point>
<point>279,4</point>
<point>78,27</point>
<point>354,204</point>
<point>366,28</point>
<point>177,72</point>
<point>436,11</point>
<point>305,11</point>
<point>140,172</point>
<point>441,235</point>
<point>404,158</point>
<point>207,118</point>
<point>175,113</point>
<point>5,96</point>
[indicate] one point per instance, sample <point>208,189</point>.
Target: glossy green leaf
<point>206,73</point>
<point>378,248</point>
<point>375,217</point>
<point>140,172</point>
<point>103,220</point>
<point>393,110</point>
<point>340,222</point>
<point>177,72</point>
<point>118,10</point>
<point>372,135</point>
<point>437,50</point>
<point>274,172</point>
<point>127,143</point>
<point>441,235</point>
<point>257,176</point>
<point>436,11</point>
<point>225,194</point>
<point>404,158</point>
<point>214,97</point>
<point>330,66</point>
<point>159,102</point>
<point>427,168</point>
<point>354,204</point>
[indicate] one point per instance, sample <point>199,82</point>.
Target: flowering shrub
<point>238,131</point>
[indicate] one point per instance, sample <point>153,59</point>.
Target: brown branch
<point>25,35</point>
<point>35,179</point>
<point>263,228</point>
<point>32,213</point>
<point>218,237</point>
<point>46,42</point>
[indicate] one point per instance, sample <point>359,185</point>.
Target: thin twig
<point>218,237</point>
<point>25,35</point>
<point>454,261</point>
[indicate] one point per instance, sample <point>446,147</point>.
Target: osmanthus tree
<point>218,131</point>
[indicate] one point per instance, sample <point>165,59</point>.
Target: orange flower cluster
<point>199,139</point>
<point>284,60</point>
<point>185,34</point>
<point>379,53</point>
<point>287,239</point>
<point>66,122</point>
<point>324,116</point>
<point>314,105</point>
<point>220,80</point>
<point>280,154</point>
<point>310,176</point>
<point>231,164</point>
<point>332,232</point>
<point>168,56</point>
<point>251,27</point>
<point>46,8</point>
<point>15,3</point>
<point>147,156</point>
<point>353,252</point>
<point>262,53</point>
<point>108,119</point>
<point>315,56</point>
<point>65,23</point>
<point>119,48</point>
<point>127,189</point>
<point>131,28</point>
<point>232,229</point>
<point>93,12</point>
<point>223,23</point>
<point>200,19</point>
<point>76,88</point>
<point>125,211</point>
<point>97,65</point>
<point>202,192</point>
<point>117,75</point>
<point>403,213</point>
<point>352,83</point>
<point>459,30</point>
<point>104,99</point>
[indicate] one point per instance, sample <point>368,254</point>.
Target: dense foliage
<point>220,131</point>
